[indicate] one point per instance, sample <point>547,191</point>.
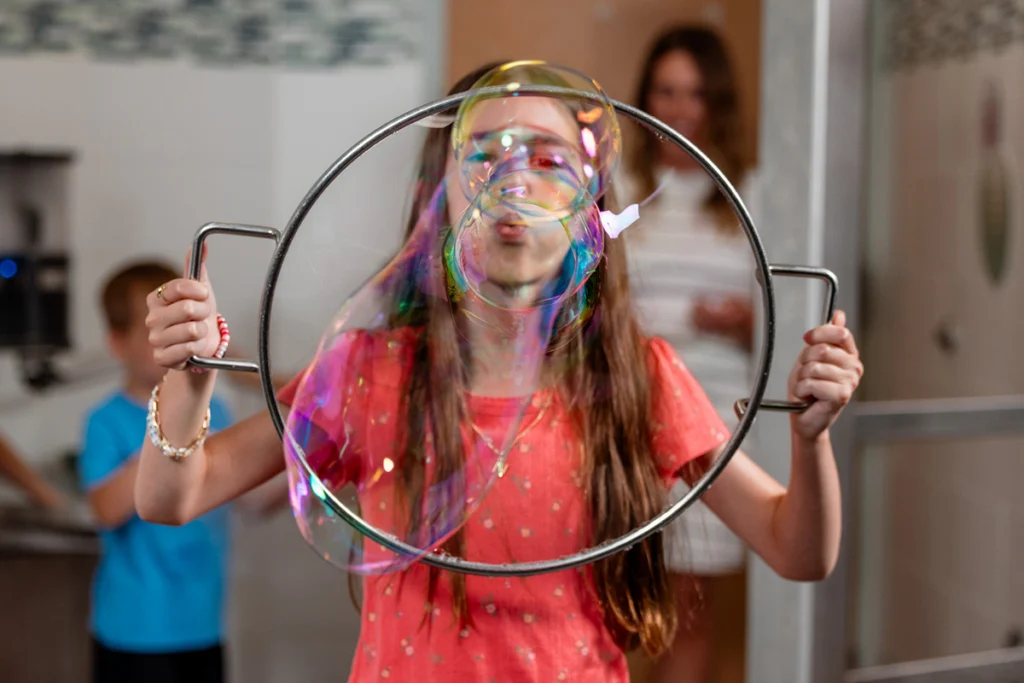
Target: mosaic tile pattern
<point>290,33</point>
<point>923,32</point>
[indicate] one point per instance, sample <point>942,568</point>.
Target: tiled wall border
<point>296,33</point>
<point>929,32</point>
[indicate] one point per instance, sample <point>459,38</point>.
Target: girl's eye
<point>544,162</point>
<point>552,160</point>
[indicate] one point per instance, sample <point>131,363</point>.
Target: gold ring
<point>160,293</point>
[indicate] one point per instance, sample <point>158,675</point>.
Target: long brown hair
<point>725,139</point>
<point>624,488</point>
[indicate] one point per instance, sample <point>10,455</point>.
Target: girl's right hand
<point>182,321</point>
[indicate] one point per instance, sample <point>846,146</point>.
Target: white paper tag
<point>615,224</point>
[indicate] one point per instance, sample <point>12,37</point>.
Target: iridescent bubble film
<point>505,132</point>
<point>451,400</point>
<point>407,412</point>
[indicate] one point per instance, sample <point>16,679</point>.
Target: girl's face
<point>677,98</point>
<point>520,242</point>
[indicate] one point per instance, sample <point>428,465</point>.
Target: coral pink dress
<point>541,628</point>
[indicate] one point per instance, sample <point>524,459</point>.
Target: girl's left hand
<point>827,372</point>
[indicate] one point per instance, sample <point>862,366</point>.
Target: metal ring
<point>160,292</point>
<point>608,548</point>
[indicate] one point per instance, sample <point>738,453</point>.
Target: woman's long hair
<point>725,139</point>
<point>624,487</point>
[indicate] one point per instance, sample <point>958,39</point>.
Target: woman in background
<point>692,270</point>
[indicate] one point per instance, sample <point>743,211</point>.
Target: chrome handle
<point>831,284</point>
<point>195,267</point>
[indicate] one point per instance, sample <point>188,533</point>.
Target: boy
<point>158,592</point>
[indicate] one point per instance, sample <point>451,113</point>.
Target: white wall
<point>940,551</point>
<point>164,147</point>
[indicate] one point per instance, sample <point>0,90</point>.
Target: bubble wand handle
<point>195,267</point>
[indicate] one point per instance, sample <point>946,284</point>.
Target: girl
<point>654,425</point>
<point>690,237</point>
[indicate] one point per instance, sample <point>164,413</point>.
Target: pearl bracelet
<point>156,434</point>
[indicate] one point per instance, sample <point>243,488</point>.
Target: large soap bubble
<point>502,249</point>
<point>464,400</point>
<point>426,377</point>
<point>399,416</point>
<point>531,116</point>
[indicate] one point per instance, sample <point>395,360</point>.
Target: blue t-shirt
<point>157,588</point>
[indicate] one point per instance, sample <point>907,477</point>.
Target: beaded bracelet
<point>156,434</point>
<point>225,339</point>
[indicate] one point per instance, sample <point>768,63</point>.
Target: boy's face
<point>132,348</point>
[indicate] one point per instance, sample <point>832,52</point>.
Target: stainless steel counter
<point>30,531</point>
<point>46,566</point>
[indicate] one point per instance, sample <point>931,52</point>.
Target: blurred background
<point>888,143</point>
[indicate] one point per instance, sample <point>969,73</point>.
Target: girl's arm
<point>229,464</point>
<point>797,530</point>
<point>182,323</point>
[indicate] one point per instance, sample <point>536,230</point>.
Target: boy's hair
<point>133,280</point>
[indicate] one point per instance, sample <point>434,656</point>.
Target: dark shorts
<point>193,666</point>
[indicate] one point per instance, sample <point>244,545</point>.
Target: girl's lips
<point>511,232</point>
<point>511,228</point>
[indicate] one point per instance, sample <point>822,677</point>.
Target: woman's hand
<point>182,320</point>
<point>732,318</point>
<point>827,372</point>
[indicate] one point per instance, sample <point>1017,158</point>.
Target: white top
<point>678,255</point>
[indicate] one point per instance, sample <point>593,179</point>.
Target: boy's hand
<point>182,320</point>
<point>50,498</point>
<point>827,372</point>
